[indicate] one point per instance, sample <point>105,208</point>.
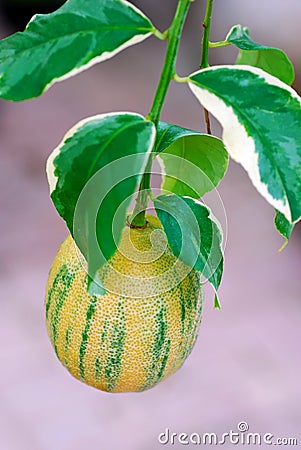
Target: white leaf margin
<point>98,59</point>
<point>50,167</point>
<point>239,144</point>
<point>137,39</point>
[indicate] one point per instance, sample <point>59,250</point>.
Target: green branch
<point>205,41</point>
<point>174,36</point>
<point>167,74</point>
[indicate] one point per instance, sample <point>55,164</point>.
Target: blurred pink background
<point>246,364</point>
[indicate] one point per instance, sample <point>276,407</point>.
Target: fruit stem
<point>205,51</point>
<point>137,219</point>
<point>167,74</point>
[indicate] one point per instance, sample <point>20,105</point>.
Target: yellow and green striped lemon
<point>139,332</point>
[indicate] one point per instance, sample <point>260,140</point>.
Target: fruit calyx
<point>139,227</point>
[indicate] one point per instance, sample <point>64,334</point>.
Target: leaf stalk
<point>219,44</point>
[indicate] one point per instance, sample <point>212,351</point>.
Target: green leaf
<point>93,174</point>
<point>261,119</point>
<point>271,59</point>
<point>194,163</point>
<point>193,235</point>
<point>59,45</point>
<point>284,227</point>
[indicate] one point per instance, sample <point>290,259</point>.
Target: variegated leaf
<point>59,45</point>
<point>261,119</point>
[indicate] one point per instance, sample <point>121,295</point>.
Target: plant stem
<point>207,120</point>
<point>205,51</point>
<point>219,44</point>
<point>167,74</point>
<point>205,41</point>
<point>159,35</point>
<point>174,36</point>
<point>138,216</point>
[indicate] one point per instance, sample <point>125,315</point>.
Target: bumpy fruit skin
<point>130,338</point>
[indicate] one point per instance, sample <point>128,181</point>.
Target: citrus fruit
<point>141,330</point>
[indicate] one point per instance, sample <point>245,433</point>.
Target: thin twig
<point>207,119</point>
<point>205,49</point>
